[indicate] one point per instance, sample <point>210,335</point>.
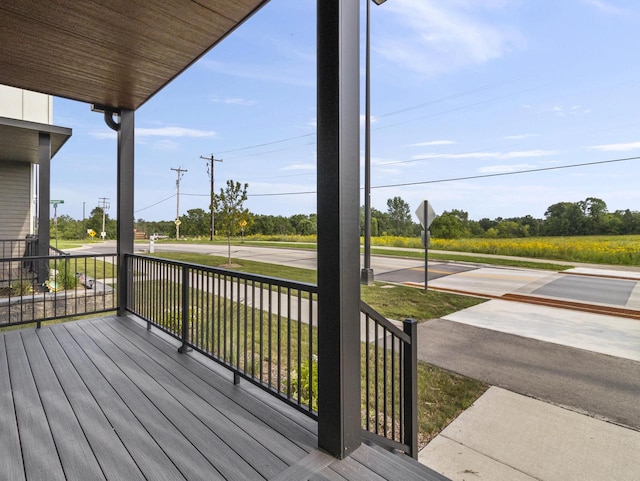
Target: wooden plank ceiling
<point>117,53</point>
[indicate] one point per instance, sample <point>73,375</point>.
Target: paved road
<point>605,386</point>
<point>491,281</point>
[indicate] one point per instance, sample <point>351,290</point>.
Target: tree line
<point>586,217</point>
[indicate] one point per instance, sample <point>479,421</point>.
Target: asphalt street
<point>607,387</point>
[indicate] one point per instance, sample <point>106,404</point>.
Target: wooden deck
<point>107,399</point>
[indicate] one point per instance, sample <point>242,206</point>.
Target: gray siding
<point>15,199</point>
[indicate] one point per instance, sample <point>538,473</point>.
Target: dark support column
<point>339,431</point>
<point>125,202</point>
<point>44,195</point>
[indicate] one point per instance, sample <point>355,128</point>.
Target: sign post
<point>55,216</point>
<point>426,215</point>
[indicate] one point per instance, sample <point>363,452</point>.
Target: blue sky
<point>460,88</point>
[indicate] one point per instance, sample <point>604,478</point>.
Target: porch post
<point>338,158</point>
<point>44,195</point>
<point>125,201</point>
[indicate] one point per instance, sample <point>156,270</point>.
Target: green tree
<point>195,222</point>
<point>595,212</point>
<point>95,222</point>
<point>510,229</point>
<point>449,225</point>
<point>68,228</point>
<point>400,216</point>
<point>229,211</point>
<point>564,218</point>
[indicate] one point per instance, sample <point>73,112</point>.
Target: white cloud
<point>103,135</point>
<point>432,143</point>
<point>500,169</point>
<point>489,155</point>
<point>526,154</point>
<point>166,144</point>
<point>436,37</point>
<point>277,72</point>
<point>372,118</point>
<point>173,132</point>
<point>573,110</point>
<point>156,132</point>
<point>605,7</point>
<point>520,136</point>
<point>467,155</point>
<point>234,101</point>
<point>617,147</point>
<point>309,166</point>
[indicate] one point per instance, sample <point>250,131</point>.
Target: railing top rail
<point>384,322</point>
<point>58,251</point>
<point>242,275</point>
<point>66,256</point>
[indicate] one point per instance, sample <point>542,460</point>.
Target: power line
<point>499,174</point>
<point>437,181</point>
<point>454,96</point>
<point>453,179</point>
<point>268,143</point>
<point>159,202</point>
<point>407,109</point>
<point>283,193</point>
<point>438,156</point>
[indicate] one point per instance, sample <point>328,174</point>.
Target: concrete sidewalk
<point>506,436</point>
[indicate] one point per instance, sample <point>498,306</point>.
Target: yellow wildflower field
<point>619,250</point>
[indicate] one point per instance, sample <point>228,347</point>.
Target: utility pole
<point>210,164</point>
<point>84,227</point>
<point>179,171</point>
<point>104,203</point>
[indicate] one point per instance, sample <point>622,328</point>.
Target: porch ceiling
<point>117,53</point>
<point>19,139</point>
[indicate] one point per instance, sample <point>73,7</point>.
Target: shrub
<point>300,383</point>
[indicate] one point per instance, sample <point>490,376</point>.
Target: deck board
<point>292,424</point>
<point>106,399</point>
<point>149,456</point>
<point>39,452</point>
<point>77,458</point>
<point>245,432</point>
<point>12,464</point>
<point>191,462</point>
<point>226,447</point>
<point>107,447</point>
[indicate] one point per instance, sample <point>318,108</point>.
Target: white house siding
<point>15,200</point>
<point>25,105</point>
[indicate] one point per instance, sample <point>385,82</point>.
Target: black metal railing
<point>13,248</point>
<point>389,379</point>
<point>265,330</point>
<point>42,288</point>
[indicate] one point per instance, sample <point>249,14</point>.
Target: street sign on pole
<point>425,214</point>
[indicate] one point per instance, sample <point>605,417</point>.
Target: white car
<point>158,236</point>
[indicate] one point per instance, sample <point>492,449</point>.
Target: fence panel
<point>73,285</point>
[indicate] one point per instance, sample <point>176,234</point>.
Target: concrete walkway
<point>512,437</point>
<point>506,436</point>
<point>615,336</point>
